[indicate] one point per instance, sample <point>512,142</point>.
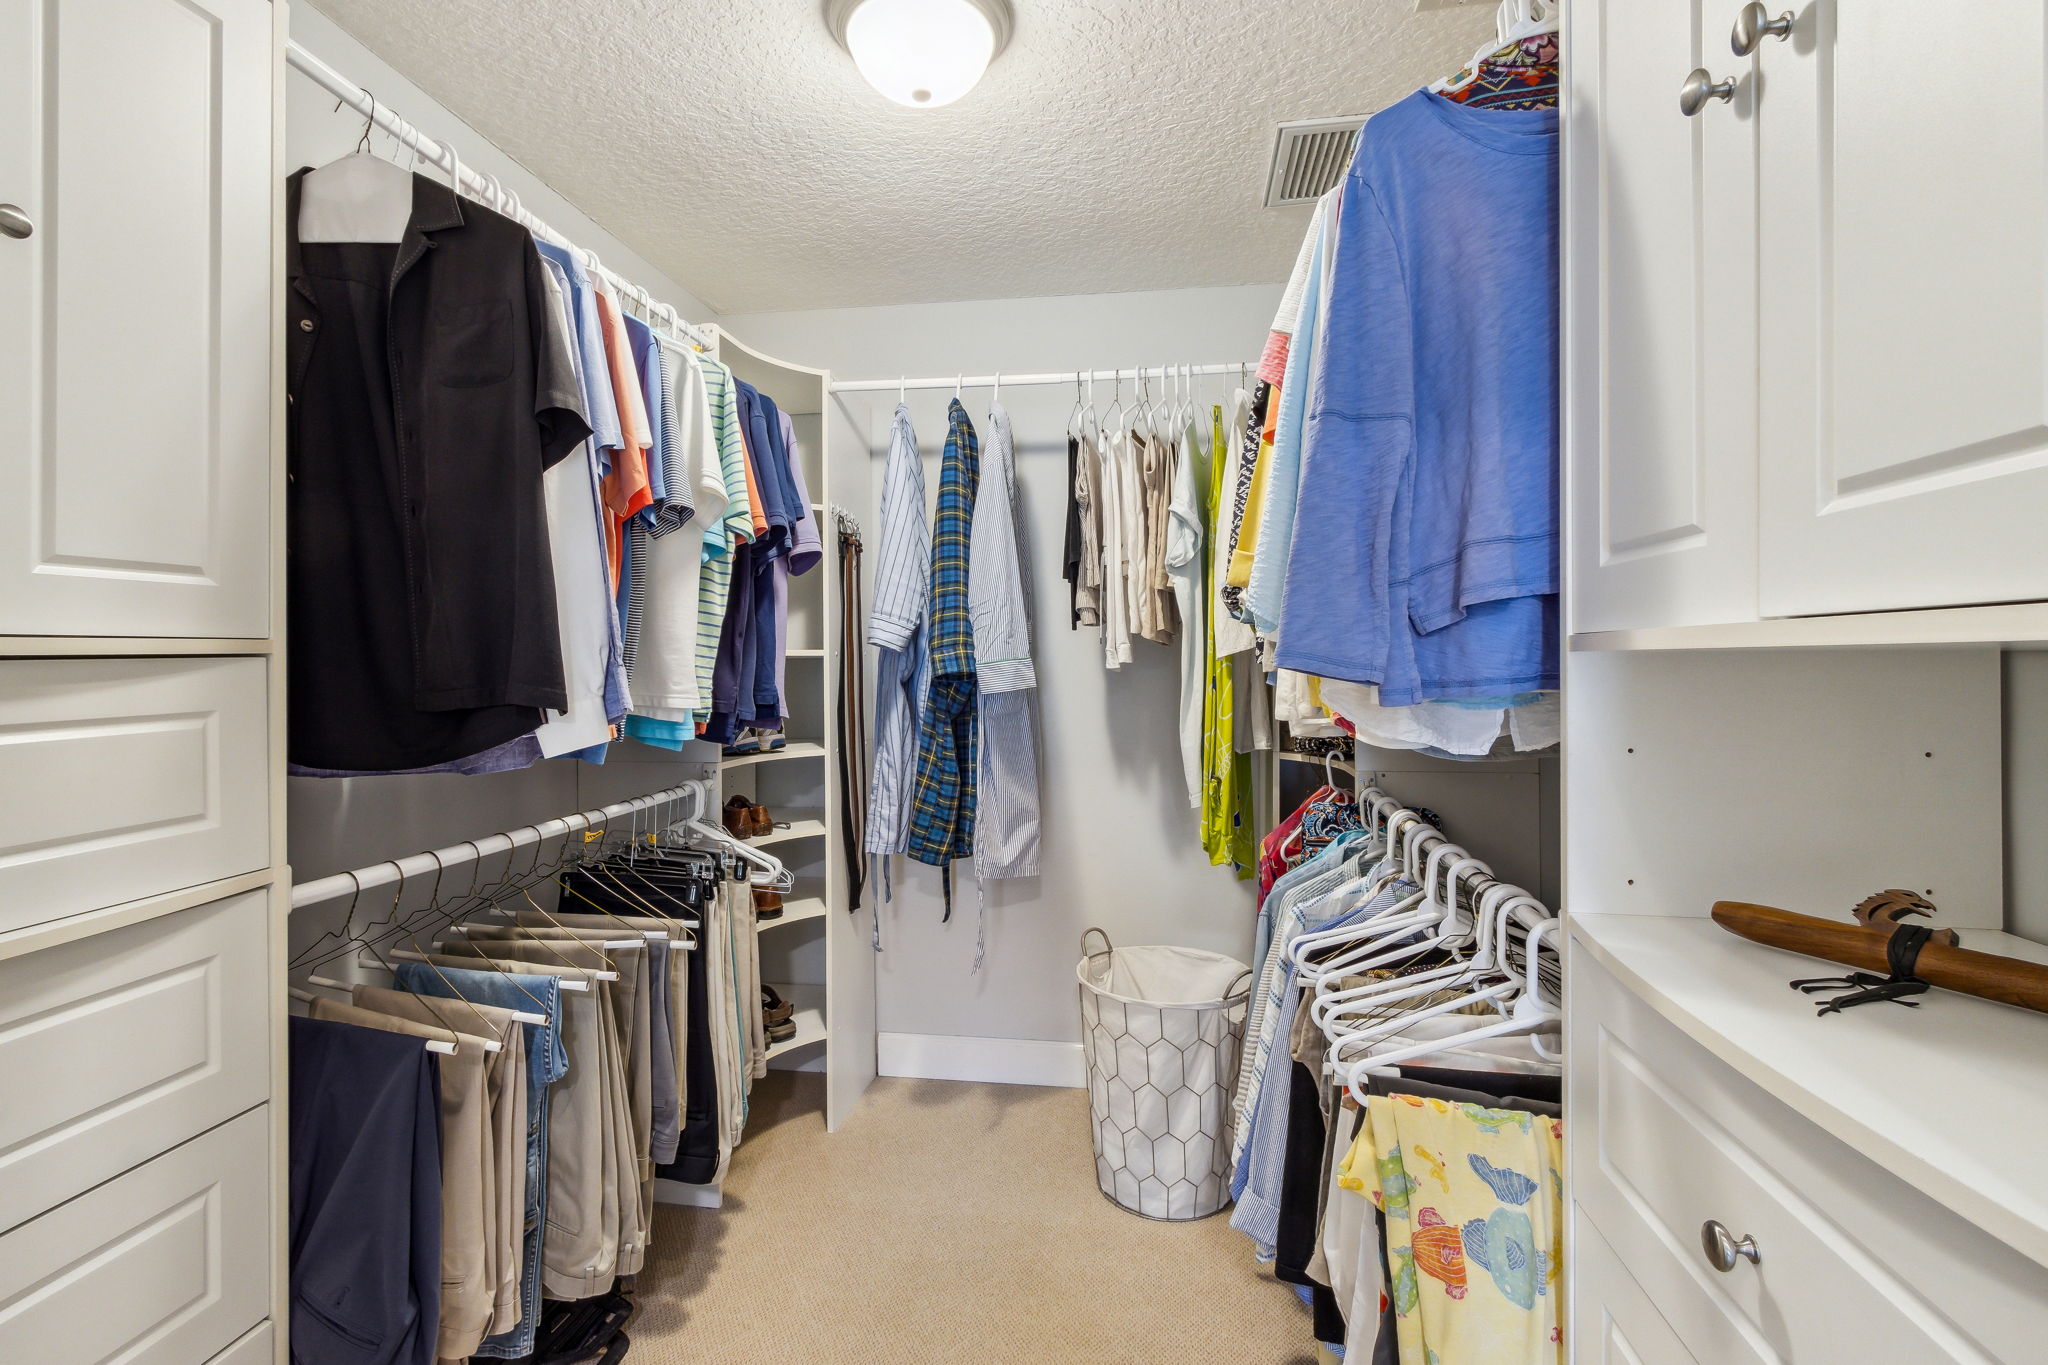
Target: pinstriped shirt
<point>896,626</point>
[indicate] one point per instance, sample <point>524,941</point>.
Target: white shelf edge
<point>798,829</point>
<point>1667,993</point>
<point>794,912</point>
<point>2020,624</point>
<point>805,749</point>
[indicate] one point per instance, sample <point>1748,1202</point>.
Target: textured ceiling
<point>1115,145</point>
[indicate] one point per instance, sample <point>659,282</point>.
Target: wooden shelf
<point>2020,625</point>
<point>794,749</point>
<point>805,654</point>
<point>796,912</point>
<point>809,1017</point>
<point>1935,1095</point>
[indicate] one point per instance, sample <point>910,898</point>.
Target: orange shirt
<point>625,488</point>
<point>756,509</point>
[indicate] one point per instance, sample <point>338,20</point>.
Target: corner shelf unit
<point>815,953</point>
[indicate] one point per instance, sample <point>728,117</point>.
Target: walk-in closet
<point>893,681</point>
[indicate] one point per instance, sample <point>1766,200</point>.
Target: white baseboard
<point>1001,1061</point>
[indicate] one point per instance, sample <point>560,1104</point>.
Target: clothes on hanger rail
<point>545,1148</point>
<point>506,574</point>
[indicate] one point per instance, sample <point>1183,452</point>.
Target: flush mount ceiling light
<point>923,53</point>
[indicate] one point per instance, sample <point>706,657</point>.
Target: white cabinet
<point>1851,1262</point>
<point>1613,1321</point>
<point>1661,322</point>
<point>168,1265</point>
<point>1904,293</point>
<point>1807,352</point>
<point>135,363</point>
<point>125,778</point>
<point>116,1046</point>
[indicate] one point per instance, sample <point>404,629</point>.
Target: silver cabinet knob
<point>14,222</point>
<point>1724,1250</point>
<point>1754,24</point>
<point>1700,87</point>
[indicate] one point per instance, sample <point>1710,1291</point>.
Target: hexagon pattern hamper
<point>1161,1028</point>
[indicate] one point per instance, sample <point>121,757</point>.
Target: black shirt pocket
<point>473,344</point>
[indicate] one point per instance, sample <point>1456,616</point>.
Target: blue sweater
<point>1429,476</point>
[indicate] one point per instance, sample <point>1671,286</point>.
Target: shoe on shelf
<point>737,816</point>
<point>767,904</point>
<point>778,1015</point>
<point>748,742</point>
<point>772,740</point>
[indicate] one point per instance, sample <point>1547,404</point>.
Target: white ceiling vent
<point>1310,156</point>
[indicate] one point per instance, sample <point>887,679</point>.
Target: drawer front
<point>253,1349</point>
<point>118,1046</point>
<point>1855,1264</point>
<point>1613,1321</point>
<point>167,1265</point>
<point>124,778</point>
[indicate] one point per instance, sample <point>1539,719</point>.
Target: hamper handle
<point>1242,978</point>
<point>1107,946</point>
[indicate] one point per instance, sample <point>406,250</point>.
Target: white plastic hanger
<point>780,878</point>
<point>1529,1011</point>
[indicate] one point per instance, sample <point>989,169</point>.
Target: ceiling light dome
<point>922,53</point>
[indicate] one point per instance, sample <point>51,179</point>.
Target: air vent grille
<point>1309,157</point>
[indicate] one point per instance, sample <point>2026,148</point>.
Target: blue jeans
<point>546,1063</point>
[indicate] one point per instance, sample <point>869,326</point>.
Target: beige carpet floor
<point>946,1222</point>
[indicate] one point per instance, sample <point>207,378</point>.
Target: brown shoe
<point>737,816</point>
<point>767,904</point>
<point>759,822</point>
<point>775,1011</point>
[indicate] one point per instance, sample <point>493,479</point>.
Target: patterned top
<point>959,480</point>
<point>942,797</point>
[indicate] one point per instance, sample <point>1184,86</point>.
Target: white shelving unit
<point>815,953</point>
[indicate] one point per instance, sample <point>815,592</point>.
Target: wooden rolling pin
<point>2007,980</point>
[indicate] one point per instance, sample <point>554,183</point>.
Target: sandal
<point>778,1015</point>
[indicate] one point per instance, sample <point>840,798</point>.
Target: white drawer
<point>124,778</point>
<point>1855,1264</point>
<point>167,1265</point>
<point>117,1046</point>
<point>254,1349</point>
<point>1613,1321</point>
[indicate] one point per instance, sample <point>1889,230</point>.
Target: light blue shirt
<point>1265,594</point>
<point>1429,472</point>
<point>896,625</point>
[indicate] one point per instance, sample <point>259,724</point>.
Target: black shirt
<point>428,394</point>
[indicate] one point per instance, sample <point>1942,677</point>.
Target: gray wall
<point>2026,794</point>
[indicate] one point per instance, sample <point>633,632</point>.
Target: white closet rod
<point>482,187</point>
<point>983,381</point>
<point>470,850</point>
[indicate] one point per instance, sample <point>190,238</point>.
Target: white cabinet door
<point>117,1046</point>
<point>1660,305</point>
<point>125,778</point>
<point>1904,306</point>
<point>1613,1321</point>
<point>166,1265</point>
<point>135,320</point>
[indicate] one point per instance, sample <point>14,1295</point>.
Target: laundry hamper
<point>1161,1028</point>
